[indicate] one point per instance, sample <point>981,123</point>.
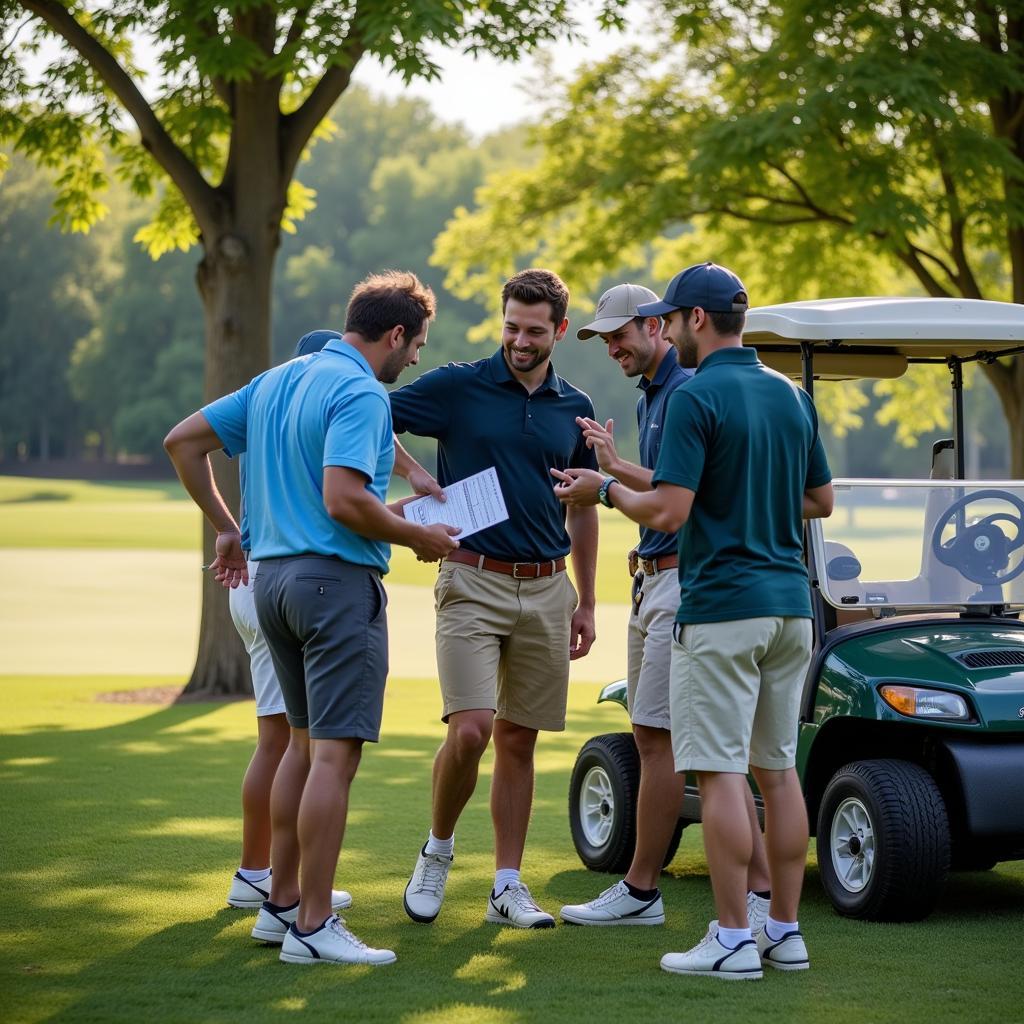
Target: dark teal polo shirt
<point>482,416</point>
<point>650,418</point>
<point>745,440</point>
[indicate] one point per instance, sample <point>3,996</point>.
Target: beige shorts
<point>503,644</point>
<point>649,649</point>
<point>735,693</point>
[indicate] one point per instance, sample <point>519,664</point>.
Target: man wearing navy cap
<point>637,345</point>
<point>740,467</point>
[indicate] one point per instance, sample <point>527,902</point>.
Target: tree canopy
<point>797,142</point>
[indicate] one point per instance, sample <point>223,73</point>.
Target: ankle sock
<point>503,878</point>
<point>254,874</point>
<point>764,894</point>
<point>776,929</point>
<point>640,894</point>
<point>732,937</point>
<point>440,847</point>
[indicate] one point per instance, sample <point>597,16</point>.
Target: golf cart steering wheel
<point>981,551</point>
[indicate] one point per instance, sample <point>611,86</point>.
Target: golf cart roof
<point>879,337</point>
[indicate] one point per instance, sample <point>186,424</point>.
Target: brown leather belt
<point>652,565</point>
<point>517,570</point>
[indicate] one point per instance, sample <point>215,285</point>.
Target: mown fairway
<point>120,832</point>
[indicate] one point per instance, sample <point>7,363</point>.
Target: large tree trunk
<point>1008,381</point>
<point>234,280</point>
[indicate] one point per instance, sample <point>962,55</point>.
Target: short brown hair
<point>535,285</point>
<point>389,299</point>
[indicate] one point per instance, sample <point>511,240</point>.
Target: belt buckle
<point>650,566</point>
<point>515,571</point>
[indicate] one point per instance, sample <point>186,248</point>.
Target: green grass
<point>121,831</point>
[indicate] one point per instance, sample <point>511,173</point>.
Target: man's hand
<point>229,567</point>
<point>436,542</point>
<point>601,440</point>
<point>423,483</point>
<point>581,633</point>
<point>577,486</point>
<point>633,561</point>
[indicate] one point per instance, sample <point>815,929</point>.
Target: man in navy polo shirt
<point>317,433</point>
<point>508,617</point>
<point>741,466</point>
<point>637,345</point>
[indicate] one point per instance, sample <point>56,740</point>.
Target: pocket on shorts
<point>574,598</point>
<point>377,598</point>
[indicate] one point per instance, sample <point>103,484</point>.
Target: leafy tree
<point>821,147</point>
<point>243,86</point>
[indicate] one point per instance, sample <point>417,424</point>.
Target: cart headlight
<point>921,703</point>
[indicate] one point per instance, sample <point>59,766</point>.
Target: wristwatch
<point>602,491</point>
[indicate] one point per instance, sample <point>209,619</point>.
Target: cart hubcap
<point>597,806</point>
<point>852,845</point>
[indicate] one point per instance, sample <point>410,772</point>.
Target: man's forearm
<point>582,526</point>
<point>363,513</point>
<point>404,462</point>
<point>196,473</point>
<point>647,508</point>
<point>633,476</point>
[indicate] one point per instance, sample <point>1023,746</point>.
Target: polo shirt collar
<point>342,348</point>
<point>742,355</point>
<point>663,371</point>
<point>502,374</point>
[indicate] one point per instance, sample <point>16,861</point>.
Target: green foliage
<point>820,149</point>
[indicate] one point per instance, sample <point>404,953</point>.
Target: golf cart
<point>911,735</point>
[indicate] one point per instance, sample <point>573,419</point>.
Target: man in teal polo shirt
<point>320,449</point>
<point>740,466</point>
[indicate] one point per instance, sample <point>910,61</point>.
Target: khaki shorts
<point>735,693</point>
<point>649,649</point>
<point>503,644</point>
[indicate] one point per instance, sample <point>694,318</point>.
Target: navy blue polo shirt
<point>745,440</point>
<point>482,416</point>
<point>650,418</point>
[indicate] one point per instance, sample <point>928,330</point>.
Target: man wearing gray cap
<point>636,344</point>
<point>741,466</point>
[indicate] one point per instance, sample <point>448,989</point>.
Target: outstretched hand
<point>435,542</point>
<point>577,487</point>
<point>601,440</point>
<point>423,483</point>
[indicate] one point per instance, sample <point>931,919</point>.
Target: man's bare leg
<point>728,842</point>
<point>285,796</point>
<point>786,834</point>
<point>659,801</point>
<point>511,791</point>
<point>457,766</point>
<point>273,734</point>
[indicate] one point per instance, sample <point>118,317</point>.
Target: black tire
<point>892,819</point>
<point>972,858</point>
<point>602,801</point>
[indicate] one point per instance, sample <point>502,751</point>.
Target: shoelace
<point>610,895</point>
<point>339,929</point>
<point>433,876</point>
<point>521,897</point>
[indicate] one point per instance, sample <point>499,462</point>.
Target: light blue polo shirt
<point>325,409</point>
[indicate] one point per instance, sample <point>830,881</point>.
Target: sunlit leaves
<point>300,201</point>
<point>172,226</point>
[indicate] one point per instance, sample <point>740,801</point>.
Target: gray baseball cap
<point>616,308</point>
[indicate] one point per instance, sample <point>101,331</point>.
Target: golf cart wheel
<point>602,801</point>
<point>883,841</point>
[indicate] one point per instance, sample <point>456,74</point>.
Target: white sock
<point>440,847</point>
<point>732,937</point>
<point>503,878</point>
<point>776,929</point>
<point>254,874</point>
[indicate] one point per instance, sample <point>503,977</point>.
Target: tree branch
<point>198,193</point>
<point>911,257</point>
<point>298,126</point>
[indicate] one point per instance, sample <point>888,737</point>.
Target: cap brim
<point>655,309</point>
<point>605,326</point>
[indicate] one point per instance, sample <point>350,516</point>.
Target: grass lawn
<point>121,832</point>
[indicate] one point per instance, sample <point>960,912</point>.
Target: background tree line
<point>101,346</point>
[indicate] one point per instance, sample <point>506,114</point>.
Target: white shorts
<point>264,679</point>
<point>649,649</point>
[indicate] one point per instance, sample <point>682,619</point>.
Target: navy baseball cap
<point>314,341</point>
<point>707,285</point>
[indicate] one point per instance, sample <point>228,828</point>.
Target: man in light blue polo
<point>740,466</point>
<point>318,436</point>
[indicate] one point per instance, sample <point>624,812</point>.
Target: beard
<point>687,352</point>
<point>394,365</point>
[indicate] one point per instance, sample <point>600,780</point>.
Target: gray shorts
<point>649,649</point>
<point>326,626</point>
